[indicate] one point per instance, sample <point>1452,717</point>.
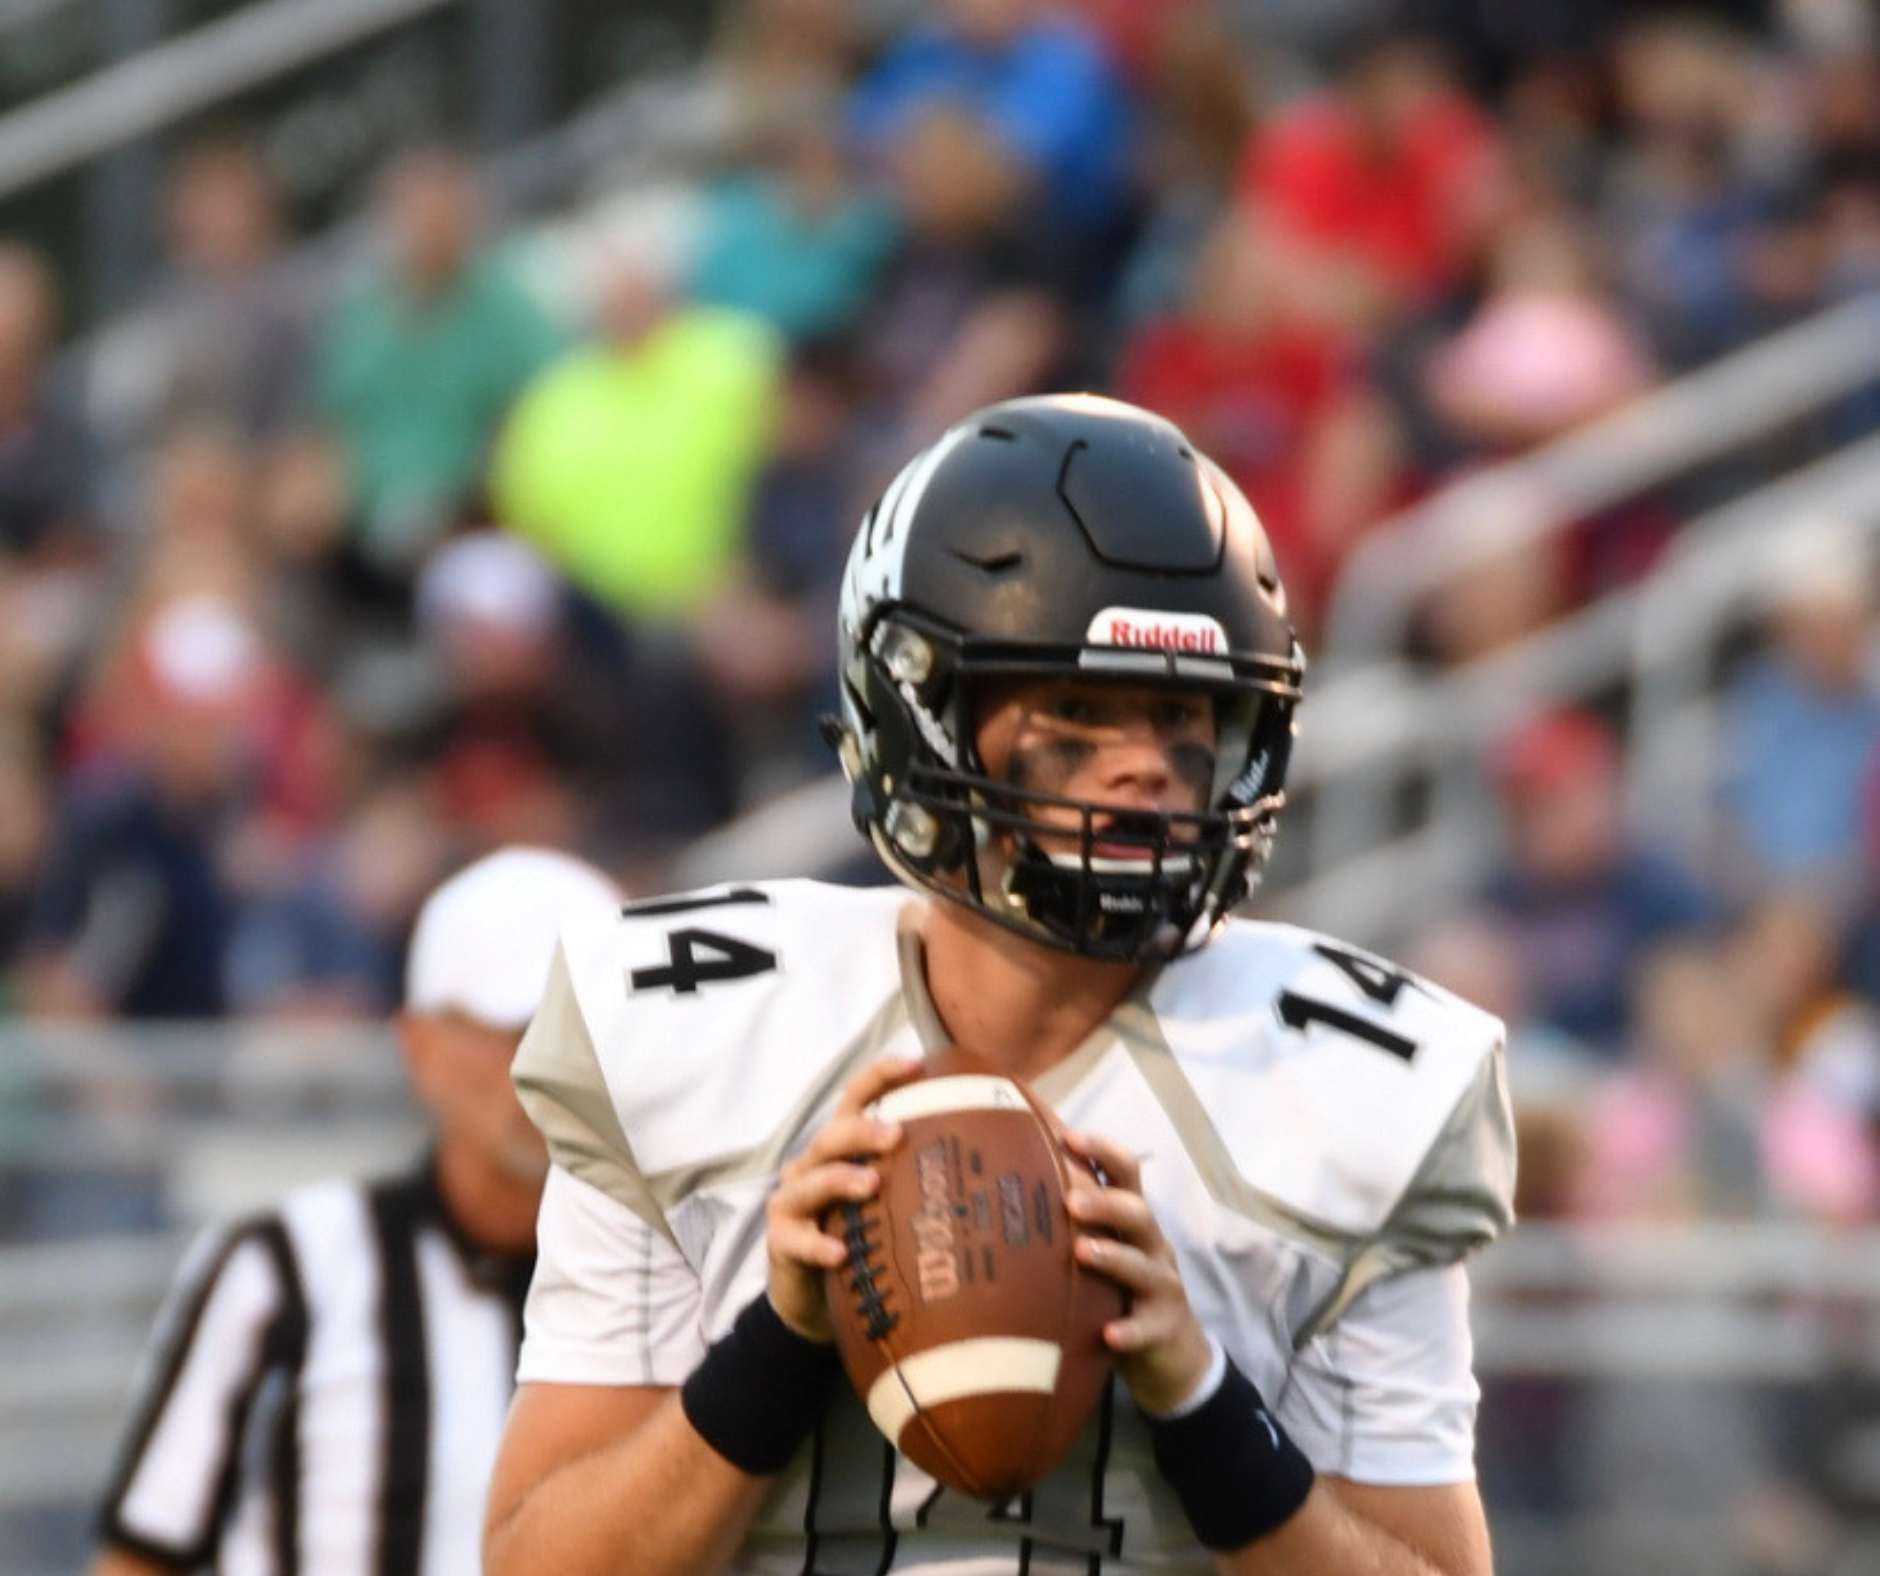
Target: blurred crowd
<point>340,560</point>
<point>325,569</point>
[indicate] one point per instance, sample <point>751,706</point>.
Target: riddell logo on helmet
<point>1147,630</point>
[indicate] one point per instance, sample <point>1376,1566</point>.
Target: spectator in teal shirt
<point>420,360</point>
<point>793,239</point>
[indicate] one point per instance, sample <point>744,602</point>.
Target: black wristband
<point>760,1390</point>
<point>1231,1465</point>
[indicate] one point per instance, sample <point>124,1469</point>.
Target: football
<point>962,1317</point>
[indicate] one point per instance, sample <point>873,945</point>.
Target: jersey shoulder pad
<point>1356,1095</point>
<point>686,1028</point>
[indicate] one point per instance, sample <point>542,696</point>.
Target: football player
<point>1068,687</point>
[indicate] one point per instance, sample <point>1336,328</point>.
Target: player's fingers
<point>804,1242</point>
<point>797,1210</point>
<point>1146,1276</point>
<point>875,1080</point>
<point>800,1256</point>
<point>847,1138</point>
<point>1116,1166</point>
<point>853,1130</point>
<point>1134,1332</point>
<point>1117,1260</point>
<point>811,1192</point>
<point>1123,1213</point>
<point>1153,1318</point>
<point>1148,1330</point>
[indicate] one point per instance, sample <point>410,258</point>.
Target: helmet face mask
<point>993,558</point>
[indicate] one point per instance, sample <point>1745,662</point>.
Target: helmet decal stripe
<point>904,493</point>
<point>874,567</point>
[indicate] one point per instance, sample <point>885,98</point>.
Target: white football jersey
<point>1325,1139</point>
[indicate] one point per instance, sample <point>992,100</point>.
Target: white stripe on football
<point>986,1365</point>
<point>942,1096</point>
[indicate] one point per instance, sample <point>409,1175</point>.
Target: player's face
<point>1124,747</point>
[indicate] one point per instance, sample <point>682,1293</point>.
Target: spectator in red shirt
<point>1135,31</point>
<point>1391,174</point>
<point>1254,369</point>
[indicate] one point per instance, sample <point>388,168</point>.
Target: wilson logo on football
<point>938,1269</point>
<point>1145,630</point>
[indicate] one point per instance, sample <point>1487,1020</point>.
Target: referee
<point>327,1382</point>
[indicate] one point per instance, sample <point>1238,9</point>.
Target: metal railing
<point>1656,643</point>
<point>168,82</point>
<point>128,1139</point>
<point>81,161</point>
<point>1709,413</point>
<point>116,1143</point>
<point>1611,1319</point>
<point>16,14</point>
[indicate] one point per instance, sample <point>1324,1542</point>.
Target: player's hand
<point>1161,1350</point>
<point>833,1170</point>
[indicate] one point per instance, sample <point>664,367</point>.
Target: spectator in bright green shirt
<point>630,460</point>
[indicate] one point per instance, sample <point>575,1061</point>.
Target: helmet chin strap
<point>1116,903</point>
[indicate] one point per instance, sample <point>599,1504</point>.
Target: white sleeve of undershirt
<point>613,1301</point>
<point>1388,1395</point>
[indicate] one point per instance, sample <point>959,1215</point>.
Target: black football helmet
<point>1064,536</point>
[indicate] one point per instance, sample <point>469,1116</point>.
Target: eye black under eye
<point>1194,764</point>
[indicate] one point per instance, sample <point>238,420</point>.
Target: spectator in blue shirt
<point>1054,119</point>
<point>1584,898</point>
<point>1801,722</point>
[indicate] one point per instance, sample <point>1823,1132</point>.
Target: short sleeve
<point>199,1377</point>
<point>1388,1395</point>
<point>613,1301</point>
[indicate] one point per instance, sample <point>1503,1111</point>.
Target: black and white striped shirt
<point>324,1393</point>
